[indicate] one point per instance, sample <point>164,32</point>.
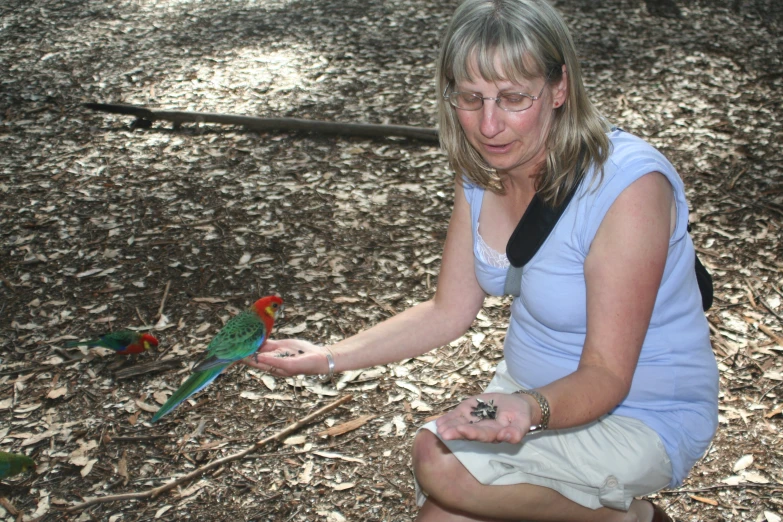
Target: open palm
<point>511,423</point>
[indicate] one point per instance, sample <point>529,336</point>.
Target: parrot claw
<point>255,357</point>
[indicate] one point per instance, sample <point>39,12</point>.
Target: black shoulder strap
<point>537,223</point>
<point>532,230</point>
<point>535,226</point>
<point>704,278</point>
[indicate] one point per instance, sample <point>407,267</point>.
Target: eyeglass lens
<point>511,102</point>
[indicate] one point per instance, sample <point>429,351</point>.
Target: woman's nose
<point>491,118</point>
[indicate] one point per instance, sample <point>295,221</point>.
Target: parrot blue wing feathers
<point>241,337</point>
<point>195,383</point>
<point>210,363</point>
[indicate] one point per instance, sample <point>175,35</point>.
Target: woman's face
<point>511,142</point>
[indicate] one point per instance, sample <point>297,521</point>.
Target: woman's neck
<point>520,183</point>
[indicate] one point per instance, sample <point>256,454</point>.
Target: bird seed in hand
<point>484,410</point>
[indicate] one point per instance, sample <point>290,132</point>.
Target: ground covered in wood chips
<point>105,226</point>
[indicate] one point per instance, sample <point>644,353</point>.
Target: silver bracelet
<point>330,362</point>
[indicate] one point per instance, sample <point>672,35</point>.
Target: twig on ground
<point>141,318</point>
<point>148,367</point>
<point>195,434</point>
<point>140,438</point>
<point>8,284</point>
<point>163,301</point>
<point>773,312</point>
<point>8,506</point>
<point>750,292</point>
<point>722,347</point>
<point>769,333</point>
<point>24,369</point>
<point>769,390</point>
<point>388,309</point>
<point>68,356</point>
<point>745,485</point>
<point>155,492</point>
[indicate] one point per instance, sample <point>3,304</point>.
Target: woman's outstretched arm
<point>415,331</point>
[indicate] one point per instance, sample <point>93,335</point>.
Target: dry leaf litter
<point>105,226</point>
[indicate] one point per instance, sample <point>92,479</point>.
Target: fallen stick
<point>163,301</point>
<point>138,314</point>
<point>772,335</point>
<point>139,438</point>
<point>145,117</point>
<point>744,485</point>
<point>148,367</point>
<point>154,492</point>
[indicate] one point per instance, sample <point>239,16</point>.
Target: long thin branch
<point>744,485</point>
<point>148,367</point>
<point>163,301</point>
<point>154,492</point>
<point>145,117</point>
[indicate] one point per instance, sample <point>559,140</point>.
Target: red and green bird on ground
<point>14,463</point>
<point>124,342</point>
<point>241,337</point>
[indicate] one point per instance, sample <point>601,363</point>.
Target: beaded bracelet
<point>543,404</point>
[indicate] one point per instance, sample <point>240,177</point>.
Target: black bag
<point>535,226</point>
<point>704,278</point>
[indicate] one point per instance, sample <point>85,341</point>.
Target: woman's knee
<point>429,453</point>
<point>439,473</point>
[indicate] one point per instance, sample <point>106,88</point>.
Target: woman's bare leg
<point>431,511</point>
<point>455,495</point>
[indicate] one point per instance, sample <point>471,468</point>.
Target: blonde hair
<point>529,39</point>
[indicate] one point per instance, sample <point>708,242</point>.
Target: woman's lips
<point>496,149</point>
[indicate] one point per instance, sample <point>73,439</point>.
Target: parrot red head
<point>148,341</point>
<point>268,309</point>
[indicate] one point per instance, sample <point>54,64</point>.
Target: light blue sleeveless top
<point>675,387</point>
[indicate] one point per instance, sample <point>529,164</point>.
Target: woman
<point>608,389</point>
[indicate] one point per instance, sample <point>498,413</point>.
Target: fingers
<point>261,364</point>
<point>270,346</point>
<point>288,357</point>
<point>480,432</point>
<point>470,422</point>
<point>460,424</point>
<point>273,370</point>
<point>289,345</point>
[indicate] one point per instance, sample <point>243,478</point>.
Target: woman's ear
<point>560,92</point>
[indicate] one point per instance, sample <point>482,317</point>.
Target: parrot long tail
<point>195,383</point>
<point>71,344</point>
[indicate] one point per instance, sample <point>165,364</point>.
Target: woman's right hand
<point>513,418</point>
<point>289,357</point>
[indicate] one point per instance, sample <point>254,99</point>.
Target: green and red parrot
<point>241,337</point>
<point>124,342</point>
<point>14,463</point>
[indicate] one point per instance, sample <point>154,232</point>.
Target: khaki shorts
<point>602,464</point>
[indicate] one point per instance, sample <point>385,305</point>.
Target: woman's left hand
<point>511,423</point>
